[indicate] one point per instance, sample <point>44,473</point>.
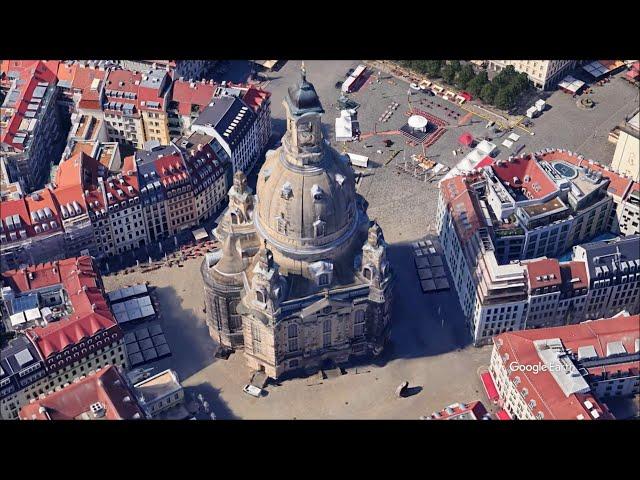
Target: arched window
<point>292,333</point>
<point>292,330</point>
<point>367,273</point>
<point>260,296</point>
<point>234,218</point>
<point>326,333</point>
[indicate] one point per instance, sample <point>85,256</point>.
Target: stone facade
<point>302,280</point>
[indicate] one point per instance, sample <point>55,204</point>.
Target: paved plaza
<point>429,342</point>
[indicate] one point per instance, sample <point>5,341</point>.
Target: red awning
<point>466,139</point>
<point>466,95</point>
<point>503,415</point>
<point>485,162</point>
<point>489,387</point>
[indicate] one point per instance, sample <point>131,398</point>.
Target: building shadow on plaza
<point>188,337</point>
<point>216,404</point>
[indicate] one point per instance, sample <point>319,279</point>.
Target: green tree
<point>505,77</point>
<point>448,74</point>
<point>488,93</point>
<point>433,68</point>
<point>464,76</point>
<point>475,86</point>
<point>520,83</point>
<point>505,98</point>
<point>455,64</point>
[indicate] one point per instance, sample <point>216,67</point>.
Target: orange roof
<point>91,314</point>
<point>107,386</point>
<point>542,386</point>
<point>543,272</point>
<point>513,173</point>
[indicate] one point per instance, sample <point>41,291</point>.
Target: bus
<point>350,83</point>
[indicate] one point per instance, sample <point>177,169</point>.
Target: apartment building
<point>629,212</point>
<point>480,216</point>
<point>188,99</point>
<point>161,396</point>
<point>180,187</point>
<point>29,122</point>
<point>541,205</point>
<point>30,230</point>
<point>557,292</point>
<point>564,373</point>
<point>543,74</point>
<point>154,91</point>
<point>74,177</point>
<point>626,158</point>
<point>103,395</point>
<point>614,275</point>
<point>82,336</point>
<point>234,125</point>
<point>116,212</point>
<point>189,69</point>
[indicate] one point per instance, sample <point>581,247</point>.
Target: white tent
<point>358,160</point>
<point>17,319</point>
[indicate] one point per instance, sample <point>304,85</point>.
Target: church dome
<point>306,198</point>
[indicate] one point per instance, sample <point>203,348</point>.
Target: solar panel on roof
<point>144,301</point>
<point>163,350</point>
<point>150,354</point>
<point>145,343</point>
<point>159,340</point>
<point>133,348</point>
<point>142,333</point>
<point>147,311</point>
<point>155,329</point>
<point>136,359</point>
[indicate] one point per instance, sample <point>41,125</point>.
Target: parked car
<point>414,86</point>
<point>338,84</point>
<point>349,72</point>
<point>252,390</point>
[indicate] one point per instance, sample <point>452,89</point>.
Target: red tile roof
<point>476,409</point>
<point>25,207</point>
<point>463,207</point>
<point>542,386</point>
<point>91,314</point>
<point>530,177</point>
<point>186,95</point>
<point>543,272</point>
<point>254,97</point>
<point>577,271</point>
<point>106,386</point>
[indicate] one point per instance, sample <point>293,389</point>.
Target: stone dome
<point>306,207</point>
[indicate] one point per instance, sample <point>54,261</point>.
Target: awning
<point>268,64</point>
<point>489,387</point>
<point>503,415</point>
<point>485,162</point>
<point>466,139</point>
<point>200,234</point>
<point>466,95</point>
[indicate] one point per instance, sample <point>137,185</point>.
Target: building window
<point>292,334</point>
<point>323,279</point>
<point>326,333</point>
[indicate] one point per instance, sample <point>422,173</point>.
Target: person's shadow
<point>411,391</point>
